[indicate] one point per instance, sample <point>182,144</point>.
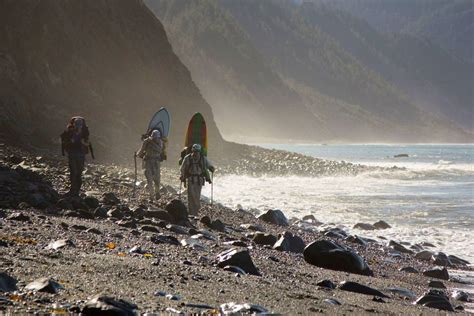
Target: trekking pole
<point>212,188</point>
<point>135,178</point>
<point>179,192</point>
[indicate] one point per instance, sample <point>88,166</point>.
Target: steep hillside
<point>447,23</point>
<point>431,77</point>
<point>247,96</point>
<point>349,99</point>
<point>109,60</point>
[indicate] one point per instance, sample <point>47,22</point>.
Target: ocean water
<point>432,199</point>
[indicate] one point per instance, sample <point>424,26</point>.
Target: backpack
<point>66,143</point>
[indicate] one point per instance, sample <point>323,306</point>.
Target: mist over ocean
<point>431,199</point>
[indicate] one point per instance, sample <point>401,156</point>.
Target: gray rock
<point>309,217</point>
<point>236,243</point>
<point>100,212</point>
<point>460,296</point>
<point>147,228</point>
<point>336,230</point>
<point>332,301</point>
<point>326,284</point>
<point>177,210</point>
<point>127,223</point>
<point>242,309</point>
<point>409,270</point>
<point>253,227</point>
<point>177,229</point>
<point>264,239</point>
<point>234,269</point>
<point>44,285</point>
<point>381,225</point>
<point>437,284</point>
<point>110,199</point>
<point>441,259</point>
<point>115,212</point>
<point>61,243</point>
<point>91,202</point>
<point>289,242</point>
<point>18,216</point>
<point>435,299</point>
<point>139,212</point>
<point>79,227</point>
<point>104,305</point>
<point>360,288</point>
<point>65,204</point>
<point>94,231</point>
<point>158,214</point>
<point>7,283</point>
<point>165,239</point>
<point>437,273</point>
<point>458,261</point>
<point>329,255</point>
<point>402,292</point>
<point>399,247</point>
<point>356,240</point>
<point>217,225</point>
<point>239,258</point>
<point>275,217</point>
<point>424,255</point>
<point>364,226</point>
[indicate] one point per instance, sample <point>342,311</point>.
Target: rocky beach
<point>111,250</point>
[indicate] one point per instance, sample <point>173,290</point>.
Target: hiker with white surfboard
<point>153,152</point>
<point>195,166</point>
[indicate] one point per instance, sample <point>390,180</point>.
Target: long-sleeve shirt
<point>151,149</point>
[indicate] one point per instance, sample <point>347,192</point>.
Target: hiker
<point>194,174</point>
<point>152,154</point>
<point>75,142</point>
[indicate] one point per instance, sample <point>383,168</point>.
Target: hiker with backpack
<point>75,142</point>
<point>152,153</point>
<point>194,173</point>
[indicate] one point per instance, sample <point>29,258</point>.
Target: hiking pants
<point>152,175</point>
<point>194,197</point>
<point>76,167</point>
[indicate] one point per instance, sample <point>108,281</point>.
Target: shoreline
<point>287,283</point>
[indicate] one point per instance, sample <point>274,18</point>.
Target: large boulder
<point>274,217</point>
<point>435,299</point>
<point>289,242</point>
<point>177,211</point>
<point>329,255</point>
<point>238,258</point>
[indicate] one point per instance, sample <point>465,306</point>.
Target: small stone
<point>364,226</point>
<point>104,305</point>
<point>19,217</point>
<point>7,283</point>
<point>61,243</point>
<point>409,270</point>
<point>326,284</point>
<point>360,288</point>
<point>437,284</point>
<point>44,285</point>
<point>332,301</point>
